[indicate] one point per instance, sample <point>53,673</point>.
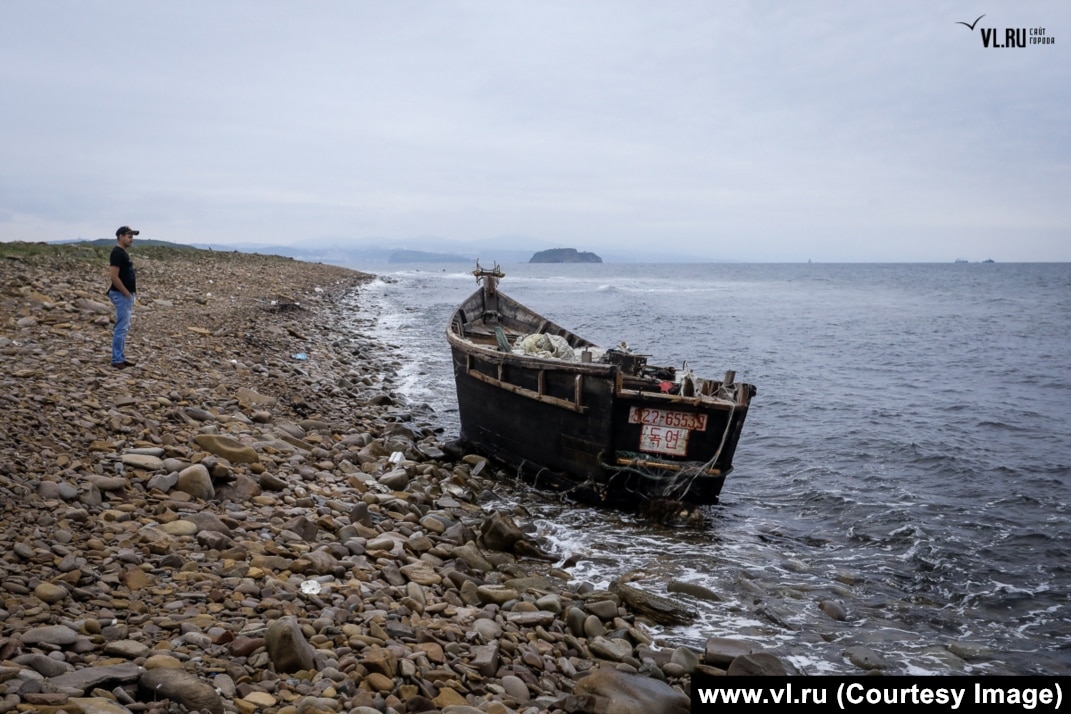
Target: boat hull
<point>593,429</point>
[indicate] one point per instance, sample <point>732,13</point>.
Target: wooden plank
<point>524,392</point>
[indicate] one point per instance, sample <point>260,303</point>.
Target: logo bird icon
<point>972,24</point>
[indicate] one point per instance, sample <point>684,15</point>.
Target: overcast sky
<point>756,131</point>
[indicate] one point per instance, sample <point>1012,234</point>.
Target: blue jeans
<point>124,308</point>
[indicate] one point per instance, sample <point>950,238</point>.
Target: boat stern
<point>675,446</point>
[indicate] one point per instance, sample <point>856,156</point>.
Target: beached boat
<point>601,423</point>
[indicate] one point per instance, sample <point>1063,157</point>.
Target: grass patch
<point>98,251</point>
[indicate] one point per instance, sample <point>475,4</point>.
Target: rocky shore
<point>252,520</point>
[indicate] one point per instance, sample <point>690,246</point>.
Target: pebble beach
<point>252,519</point>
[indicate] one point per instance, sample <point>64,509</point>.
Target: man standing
<point>121,292</point>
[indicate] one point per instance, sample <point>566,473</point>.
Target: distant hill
<point>111,241</point>
<point>564,255</point>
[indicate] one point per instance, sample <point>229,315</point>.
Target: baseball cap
<point>125,230</point>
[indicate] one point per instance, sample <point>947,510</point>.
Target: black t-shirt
<point>126,269</point>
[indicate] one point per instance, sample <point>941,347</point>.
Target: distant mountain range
<point>369,253</point>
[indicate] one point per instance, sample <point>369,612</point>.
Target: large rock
<point>721,651</point>
<point>658,608</point>
<point>197,482</point>
<point>231,449</point>
<point>623,693</point>
<point>287,647</point>
<point>148,462</point>
<point>59,635</point>
<point>181,687</point>
<point>616,648</point>
<point>96,705</point>
<point>757,664</point>
<point>499,532</point>
<point>86,679</point>
<point>865,658</point>
<point>248,396</point>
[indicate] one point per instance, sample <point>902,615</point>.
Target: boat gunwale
<point>609,372</point>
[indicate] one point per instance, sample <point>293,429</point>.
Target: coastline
<point>251,519</point>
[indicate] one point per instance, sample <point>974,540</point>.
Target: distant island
<point>564,255</point>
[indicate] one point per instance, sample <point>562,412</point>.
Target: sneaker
<point>130,363</point>
<point>119,365</point>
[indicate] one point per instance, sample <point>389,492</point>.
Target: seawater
<point>907,456</point>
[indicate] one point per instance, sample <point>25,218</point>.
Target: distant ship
<point>961,260</point>
<point>988,260</point>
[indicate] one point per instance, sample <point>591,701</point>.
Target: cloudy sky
<point>754,131</point>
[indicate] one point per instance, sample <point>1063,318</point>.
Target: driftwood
<point>660,609</point>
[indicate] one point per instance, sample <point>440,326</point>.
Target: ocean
<point>903,481</point>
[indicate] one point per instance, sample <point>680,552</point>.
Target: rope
<point>681,482</point>
<point>599,491</point>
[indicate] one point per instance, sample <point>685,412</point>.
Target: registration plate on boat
<point>664,431</point>
<point>664,440</point>
<point>667,419</point>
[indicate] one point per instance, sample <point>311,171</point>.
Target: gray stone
<point>197,482</point>
<point>538,618</point>
<point>208,521</point>
<point>865,658</point>
<point>833,609</point>
<point>499,532</point>
<point>395,480</point>
<point>164,481</point>
<point>107,483</point>
<point>485,659</point>
<point>89,677</point>
<point>605,610</point>
<point>130,649</point>
<point>473,557</point>
<point>686,658</point>
<point>616,649</point>
<point>97,705</point>
<point>516,688</point>
<point>696,591</point>
<point>143,461</point>
<point>721,651</point>
<point>287,647</point>
<point>593,626</point>
<point>51,593</point>
<point>303,528</point>
<point>182,687</point>
<point>42,664</point>
<point>59,635</point>
<point>623,693</point>
<point>757,664</point>
<point>231,449</point>
<point>487,629</point>
<point>496,594</point>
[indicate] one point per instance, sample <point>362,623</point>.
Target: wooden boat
<point>601,423</point>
